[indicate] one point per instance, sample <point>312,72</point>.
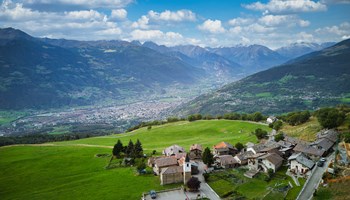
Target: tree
<point>277,125</point>
<point>330,117</point>
<point>129,150</point>
<point>117,149</point>
<point>207,157</point>
<point>260,134</point>
<point>257,116</point>
<point>193,184</point>
<point>346,137</point>
<point>279,137</point>
<point>140,166</point>
<point>239,146</point>
<point>138,150</point>
<point>149,127</point>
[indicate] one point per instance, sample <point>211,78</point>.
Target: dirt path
<point>57,145</point>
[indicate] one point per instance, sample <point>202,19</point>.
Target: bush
<point>260,134</point>
<point>330,117</point>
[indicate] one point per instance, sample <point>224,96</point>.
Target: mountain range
<point>51,73</point>
<point>308,82</point>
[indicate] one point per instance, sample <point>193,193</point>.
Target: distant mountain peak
<point>11,34</point>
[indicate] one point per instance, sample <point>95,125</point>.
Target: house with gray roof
<point>173,150</point>
<point>226,161</point>
<point>310,151</point>
<point>299,163</point>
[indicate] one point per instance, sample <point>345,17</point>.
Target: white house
<point>271,119</point>
<point>300,164</point>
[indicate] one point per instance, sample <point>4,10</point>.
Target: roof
<point>302,159</point>
<point>285,144</point>
<point>249,144</point>
<point>196,147</point>
<point>166,161</point>
<point>174,149</point>
<point>245,155</point>
<point>273,158</point>
<point>324,143</point>
<point>331,135</point>
<point>294,140</point>
<point>179,155</point>
<point>269,147</point>
<point>309,150</point>
<point>258,147</point>
<point>223,145</point>
<point>227,159</point>
<point>172,170</point>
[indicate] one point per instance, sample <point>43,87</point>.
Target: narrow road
<point>315,178</point>
<point>205,188</point>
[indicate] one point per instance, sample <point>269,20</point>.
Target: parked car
<point>153,194</point>
<point>321,162</point>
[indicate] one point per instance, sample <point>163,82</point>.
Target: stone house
<point>242,158</point>
<point>310,151</point>
<point>196,151</point>
<point>224,148</point>
<point>176,174</point>
<point>300,164</point>
<point>265,161</point>
<point>173,150</point>
<point>164,162</point>
<point>226,161</point>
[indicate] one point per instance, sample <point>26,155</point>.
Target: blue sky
<point>273,23</point>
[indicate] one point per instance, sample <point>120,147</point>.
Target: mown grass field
<point>184,133</point>
<point>68,171</point>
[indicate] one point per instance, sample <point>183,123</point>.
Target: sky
<point>207,23</point>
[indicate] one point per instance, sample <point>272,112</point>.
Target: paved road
<point>315,178</point>
<point>205,188</point>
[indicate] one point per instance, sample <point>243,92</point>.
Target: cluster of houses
<point>177,166</point>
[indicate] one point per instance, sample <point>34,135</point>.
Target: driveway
<point>313,181</point>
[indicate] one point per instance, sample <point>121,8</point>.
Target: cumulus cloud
<point>141,23</point>
<point>160,37</point>
<point>176,16</point>
<point>212,26</point>
<point>342,29</point>
<point>119,14</point>
<point>283,20</point>
<point>287,6</point>
<point>336,1</point>
<point>58,24</point>
<point>240,21</point>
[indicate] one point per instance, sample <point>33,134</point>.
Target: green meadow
<point>70,170</point>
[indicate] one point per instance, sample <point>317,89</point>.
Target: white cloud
<point>83,3</point>
<point>287,6</point>
<point>240,21</point>
<point>160,37</point>
<point>141,23</point>
<point>212,26</point>
<point>257,28</point>
<point>177,16</point>
<point>283,20</point>
<point>342,29</point>
<point>119,14</point>
<point>236,30</point>
<point>70,25</point>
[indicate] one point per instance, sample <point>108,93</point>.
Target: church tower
<point>187,169</point>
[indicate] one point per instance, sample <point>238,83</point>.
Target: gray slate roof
<point>302,159</point>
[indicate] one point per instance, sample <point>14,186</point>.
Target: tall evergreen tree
<point>138,149</point>
<point>129,150</point>
<point>118,148</point>
<point>208,157</point>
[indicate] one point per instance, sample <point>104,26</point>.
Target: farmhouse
<point>173,150</point>
<point>224,148</point>
<point>263,161</point>
<point>300,164</point>
<point>226,161</point>
<point>271,119</point>
<point>196,151</point>
<point>164,162</point>
<point>308,150</point>
<point>242,158</point>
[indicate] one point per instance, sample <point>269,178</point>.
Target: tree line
<point>130,151</point>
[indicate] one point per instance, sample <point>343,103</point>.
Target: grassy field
<point>184,133</point>
<point>306,131</point>
<point>334,191</point>
<point>257,188</point>
<point>66,170</point>
<point>67,173</point>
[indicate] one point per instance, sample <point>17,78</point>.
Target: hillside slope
<point>46,73</point>
<point>308,82</point>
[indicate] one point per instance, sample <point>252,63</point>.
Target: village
<point>303,160</point>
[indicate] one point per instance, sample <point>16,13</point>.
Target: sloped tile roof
<point>166,161</point>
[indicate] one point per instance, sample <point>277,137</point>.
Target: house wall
<point>269,165</point>
<point>253,164</point>
<point>297,167</point>
<point>195,154</point>
<point>171,178</point>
